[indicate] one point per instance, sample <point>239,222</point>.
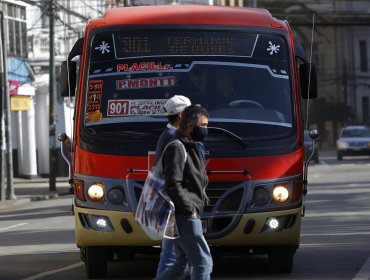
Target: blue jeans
<point>190,247</point>
<point>168,255</point>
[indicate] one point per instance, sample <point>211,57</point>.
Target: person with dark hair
<point>185,182</point>
<point>173,108</point>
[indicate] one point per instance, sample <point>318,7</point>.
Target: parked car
<point>308,147</point>
<point>354,140</point>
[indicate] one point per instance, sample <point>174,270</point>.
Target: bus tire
<point>95,262</point>
<point>281,260</point>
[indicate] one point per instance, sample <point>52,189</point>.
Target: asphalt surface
<point>27,190</point>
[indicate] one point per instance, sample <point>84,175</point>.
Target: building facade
<point>340,48</point>
<point>21,90</point>
<point>70,18</point>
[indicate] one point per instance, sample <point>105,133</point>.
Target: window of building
<point>363,56</point>
<point>17,29</point>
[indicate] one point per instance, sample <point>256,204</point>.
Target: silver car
<point>354,140</point>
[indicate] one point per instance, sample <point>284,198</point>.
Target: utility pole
<point>8,135</point>
<point>2,139</point>
<point>52,100</point>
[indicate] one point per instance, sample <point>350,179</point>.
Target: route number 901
<point>117,107</point>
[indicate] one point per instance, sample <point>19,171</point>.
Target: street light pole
<point>2,132</point>
<point>8,135</point>
<point>52,100</point>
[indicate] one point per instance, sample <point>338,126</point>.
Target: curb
<point>24,199</point>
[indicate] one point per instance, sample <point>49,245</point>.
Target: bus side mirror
<point>68,73</point>
<point>308,93</point>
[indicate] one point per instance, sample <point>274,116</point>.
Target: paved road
<point>37,239</point>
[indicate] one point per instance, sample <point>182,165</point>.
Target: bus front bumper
<point>112,228</point>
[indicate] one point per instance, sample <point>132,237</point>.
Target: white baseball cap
<point>176,104</point>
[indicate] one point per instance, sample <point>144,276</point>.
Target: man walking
<point>185,182</point>
<point>174,108</point>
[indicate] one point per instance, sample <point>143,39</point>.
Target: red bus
<point>245,68</point>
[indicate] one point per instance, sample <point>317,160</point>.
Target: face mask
<point>199,133</point>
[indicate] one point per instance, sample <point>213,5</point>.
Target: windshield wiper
<point>226,132</point>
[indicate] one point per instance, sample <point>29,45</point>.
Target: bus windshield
<point>242,79</point>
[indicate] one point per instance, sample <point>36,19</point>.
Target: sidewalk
<point>27,190</point>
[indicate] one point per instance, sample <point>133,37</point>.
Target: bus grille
<point>224,197</point>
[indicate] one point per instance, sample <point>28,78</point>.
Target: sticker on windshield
<point>104,47</point>
<point>136,107</point>
<point>145,83</point>
<point>95,116</point>
<point>273,48</point>
<point>94,101</point>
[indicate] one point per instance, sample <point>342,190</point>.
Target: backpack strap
<point>181,144</point>
<point>158,167</point>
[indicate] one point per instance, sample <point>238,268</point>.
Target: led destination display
<point>183,43</point>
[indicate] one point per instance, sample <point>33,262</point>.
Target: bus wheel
<point>95,262</point>
<point>281,260</point>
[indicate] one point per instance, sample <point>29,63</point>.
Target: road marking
<point>336,234</point>
<point>50,272</point>
<point>337,214</point>
<point>335,244</point>
<point>37,249</point>
<point>13,226</point>
<point>364,273</point>
<point>41,213</point>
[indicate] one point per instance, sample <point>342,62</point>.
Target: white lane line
<point>336,234</point>
<point>338,214</point>
<point>25,215</point>
<point>37,249</point>
<point>364,273</point>
<point>50,272</point>
<point>335,244</point>
<point>13,226</point>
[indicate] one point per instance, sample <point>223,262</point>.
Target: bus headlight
<point>95,222</point>
<point>280,193</point>
<point>96,192</point>
<point>273,223</point>
<point>261,197</point>
<point>116,196</point>
<point>101,223</point>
